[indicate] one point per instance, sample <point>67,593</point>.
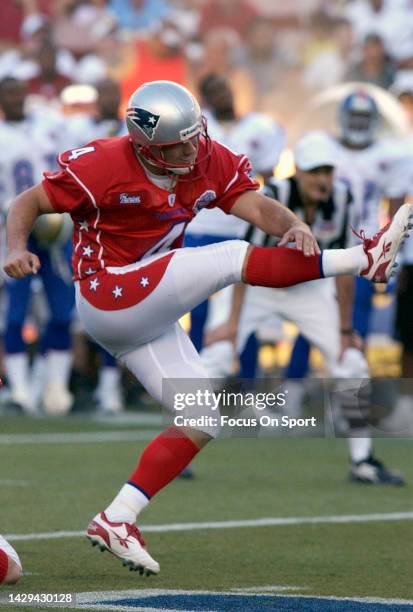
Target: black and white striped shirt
<point>332,222</point>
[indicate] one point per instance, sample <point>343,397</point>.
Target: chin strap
<point>174,172</point>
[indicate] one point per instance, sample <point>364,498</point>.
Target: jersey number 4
<point>78,152</point>
<point>166,241</point>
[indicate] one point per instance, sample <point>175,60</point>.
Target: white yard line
<point>10,482</point>
<point>263,522</point>
<point>82,437</point>
<point>274,588</point>
<point>129,418</point>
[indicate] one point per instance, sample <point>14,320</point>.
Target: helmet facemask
<point>359,119</point>
<point>154,154</point>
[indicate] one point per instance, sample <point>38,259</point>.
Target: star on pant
<point>144,281</point>
<point>117,292</point>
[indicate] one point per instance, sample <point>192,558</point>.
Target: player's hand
<point>303,238</point>
<point>21,263</point>
<point>225,332</point>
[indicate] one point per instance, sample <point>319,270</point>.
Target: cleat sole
<point>143,571</point>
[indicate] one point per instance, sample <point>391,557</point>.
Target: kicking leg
<point>374,259</point>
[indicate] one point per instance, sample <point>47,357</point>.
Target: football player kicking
<point>10,565</point>
<point>130,199</point>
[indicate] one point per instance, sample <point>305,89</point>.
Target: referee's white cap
<point>315,149</point>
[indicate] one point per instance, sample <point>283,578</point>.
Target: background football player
<point>29,144</point>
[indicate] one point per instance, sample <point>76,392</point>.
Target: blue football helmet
<point>358,119</point>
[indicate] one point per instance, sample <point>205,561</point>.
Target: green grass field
<point>48,487</point>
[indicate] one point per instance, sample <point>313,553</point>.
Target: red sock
<point>4,565</point>
<point>281,267</point>
<point>162,460</point>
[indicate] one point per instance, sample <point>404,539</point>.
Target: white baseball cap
<point>314,150</point>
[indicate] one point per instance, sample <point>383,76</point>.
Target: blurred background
<point>276,56</point>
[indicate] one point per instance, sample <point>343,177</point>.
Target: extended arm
<point>21,217</point>
<point>394,205</point>
<point>275,219</point>
<point>228,330</point>
<point>345,298</point>
<point>345,294</point>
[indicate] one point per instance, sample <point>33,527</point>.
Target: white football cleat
<point>381,250</point>
<point>20,395</point>
<point>111,403</point>
<point>123,540</point>
<point>57,399</point>
<point>109,399</point>
<point>108,393</point>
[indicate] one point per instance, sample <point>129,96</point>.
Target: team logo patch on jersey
<point>128,198</point>
<point>206,198</point>
<point>144,120</point>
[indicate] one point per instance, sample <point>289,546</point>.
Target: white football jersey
<point>394,25</point>
<point>27,149</point>
<point>86,128</point>
<point>406,255</point>
<point>21,161</point>
<point>255,135</point>
<point>376,172</point>
<point>261,140</point>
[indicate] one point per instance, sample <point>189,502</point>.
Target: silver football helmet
<point>163,113</point>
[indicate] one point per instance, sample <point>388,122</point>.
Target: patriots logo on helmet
<point>144,120</point>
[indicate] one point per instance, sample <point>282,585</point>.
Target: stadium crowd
<point>67,70</point>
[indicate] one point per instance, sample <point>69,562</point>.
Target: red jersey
<point>120,216</point>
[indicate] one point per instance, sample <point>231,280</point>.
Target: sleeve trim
<point>61,161</point>
<point>234,178</point>
<point>232,181</point>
